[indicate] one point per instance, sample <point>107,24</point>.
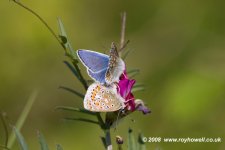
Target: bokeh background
<point>179,46</point>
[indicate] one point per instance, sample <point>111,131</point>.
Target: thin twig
<point>123,27</point>
<point>2,116</point>
<point>40,18</point>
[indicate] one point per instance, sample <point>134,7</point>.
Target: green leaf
<point>133,72</point>
<point>65,41</point>
<point>83,119</point>
<point>74,71</point>
<point>124,56</point>
<point>20,139</point>
<point>141,143</point>
<point>75,109</point>
<point>42,142</point>
<point>63,34</point>
<point>131,140</point>
<point>135,89</point>
<point>59,147</point>
<point>22,117</point>
<point>138,85</point>
<point>72,91</point>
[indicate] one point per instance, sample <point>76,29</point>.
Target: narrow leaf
<point>124,56</point>
<point>42,142</point>
<point>72,91</point>
<point>59,147</point>
<point>74,71</point>
<point>141,143</point>
<point>135,89</point>
<point>63,34</point>
<point>132,73</point>
<point>83,119</point>
<point>20,139</point>
<point>138,85</point>
<point>75,109</point>
<point>22,117</point>
<point>131,140</point>
<point>64,38</point>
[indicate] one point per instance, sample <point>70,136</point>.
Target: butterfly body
<point>100,98</point>
<point>116,66</point>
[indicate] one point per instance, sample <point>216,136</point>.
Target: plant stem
<point>123,27</point>
<point>108,139</point>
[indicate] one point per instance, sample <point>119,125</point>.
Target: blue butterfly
<point>101,67</point>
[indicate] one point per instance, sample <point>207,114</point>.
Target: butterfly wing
<point>98,76</point>
<point>116,66</point>
<point>102,99</point>
<point>93,61</point>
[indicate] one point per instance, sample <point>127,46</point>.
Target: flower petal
<point>139,104</point>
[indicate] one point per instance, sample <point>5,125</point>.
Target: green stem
<point>120,147</point>
<point>108,139</point>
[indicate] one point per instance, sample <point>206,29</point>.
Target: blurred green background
<point>179,46</point>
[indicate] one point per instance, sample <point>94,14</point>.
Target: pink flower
<point>124,88</point>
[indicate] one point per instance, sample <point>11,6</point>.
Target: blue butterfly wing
<point>94,61</point>
<point>99,76</point>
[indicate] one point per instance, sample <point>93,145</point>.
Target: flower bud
<point>119,140</point>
